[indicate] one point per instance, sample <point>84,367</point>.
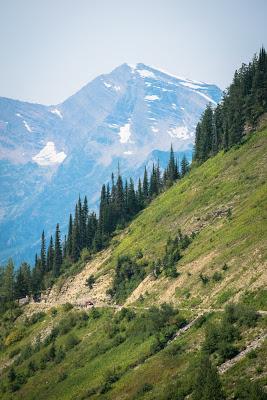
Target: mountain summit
<point>49,154</point>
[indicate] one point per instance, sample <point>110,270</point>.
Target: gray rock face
<point>50,154</point>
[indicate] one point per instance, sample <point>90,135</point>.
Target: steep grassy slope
<point>224,200</point>
<point>106,354</point>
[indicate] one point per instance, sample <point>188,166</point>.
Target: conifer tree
<point>91,229</point>
<point>171,173</point>
<point>23,281</point>
<point>58,253</point>
<point>207,385</point>
<point>184,166</point>
<point>238,113</point>
<point>50,255</point>
<point>132,201</point>
<point>145,187</point>
<point>75,237</point>
<point>153,183</point>
<point>80,217</point>
<point>69,239</point>
<point>140,195</point>
<point>64,248</point>
<point>37,276</point>
<point>43,254</point>
<point>84,217</point>
<point>119,201</point>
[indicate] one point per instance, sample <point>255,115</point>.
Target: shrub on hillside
<point>34,318</point>
<point>217,276</point>
<point>128,275</point>
<point>252,390</point>
<point>67,307</point>
<point>71,341</point>
<point>90,281</point>
<point>14,336</point>
<point>241,314</point>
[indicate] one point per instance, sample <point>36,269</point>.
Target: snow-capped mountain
<point>50,154</point>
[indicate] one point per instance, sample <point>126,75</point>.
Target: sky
<point>51,48</point>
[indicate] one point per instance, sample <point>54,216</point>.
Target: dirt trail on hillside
<point>252,346</point>
<point>75,291</point>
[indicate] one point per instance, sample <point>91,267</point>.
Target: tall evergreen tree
<point>58,253</point>
<point>69,238</point>
<point>75,237</point>
<point>140,195</point>
<point>207,385</point>
<point>23,281</point>
<point>84,216</point>
<point>43,254</point>
<point>50,255</point>
<point>119,201</point>
<point>132,201</point>
<point>145,186</point>
<point>184,166</point>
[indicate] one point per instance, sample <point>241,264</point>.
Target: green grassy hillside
<point>224,202</point>
<point>68,354</point>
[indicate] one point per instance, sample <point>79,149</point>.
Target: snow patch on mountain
<point>57,112</point>
<point>191,85</point>
<point>179,132</point>
<point>108,85</point>
<point>144,73</point>
<point>180,78</point>
<point>27,126</point>
<point>125,133</point>
<point>152,97</point>
<point>114,87</point>
<point>48,156</point>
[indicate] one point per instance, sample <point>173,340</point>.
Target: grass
<point>111,356</point>
<point>235,181</point>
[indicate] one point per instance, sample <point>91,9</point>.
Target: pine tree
<point>75,237</point>
<point>132,201</point>
<point>140,195</point>
<point>69,239</point>
<point>43,254</point>
<point>171,173</point>
<point>91,229</point>
<point>23,281</point>
<point>119,201</point>
<point>80,217</point>
<point>207,385</point>
<point>84,216</point>
<point>37,277</point>
<point>64,249</point>
<point>58,253</point>
<point>184,166</point>
<point>153,183</point>
<point>145,187</point>
<point>50,255</point>
<point>102,210</point>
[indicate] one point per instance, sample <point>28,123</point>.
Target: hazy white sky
<point>50,48</point>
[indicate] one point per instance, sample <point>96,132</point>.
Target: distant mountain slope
<point>51,154</point>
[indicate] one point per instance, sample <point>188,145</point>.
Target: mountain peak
<point>123,116</point>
